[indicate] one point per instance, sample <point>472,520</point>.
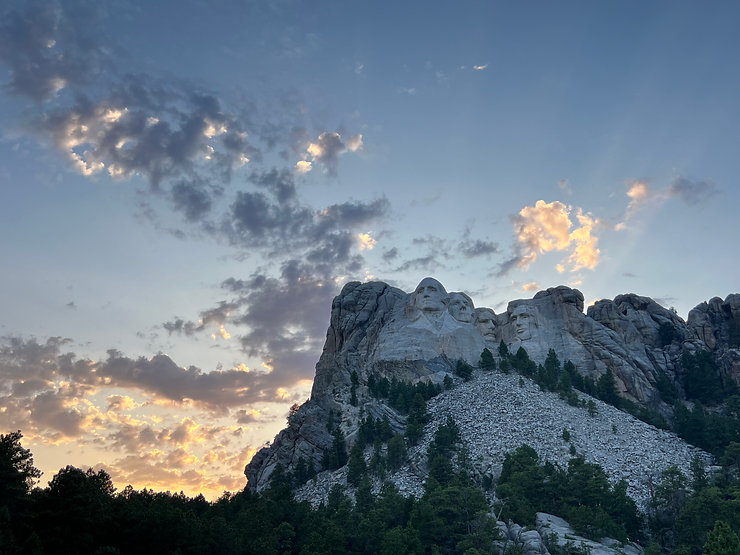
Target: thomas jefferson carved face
<point>523,320</point>
<point>430,296</point>
<point>485,321</point>
<point>461,307</point>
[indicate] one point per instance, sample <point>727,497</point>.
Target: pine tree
<point>503,350</point>
<point>487,362</point>
<point>356,468</point>
<point>606,389</point>
<point>722,540</point>
<point>338,454</point>
<point>396,452</point>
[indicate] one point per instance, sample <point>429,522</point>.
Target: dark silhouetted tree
<point>487,362</point>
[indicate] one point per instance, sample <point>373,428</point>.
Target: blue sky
<point>184,186</point>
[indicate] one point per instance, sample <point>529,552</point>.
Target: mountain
<point>645,354</point>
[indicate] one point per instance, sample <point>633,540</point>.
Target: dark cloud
<point>284,318</point>
<point>58,380</point>
<point>184,141</point>
<point>516,259</point>
<point>48,411</point>
<point>191,131</point>
<point>477,247</point>
<point>279,182</point>
<point>390,255</point>
<point>192,198</point>
<point>250,417</point>
<point>279,223</point>
<point>629,274</point>
<point>430,241</point>
<point>180,326</point>
<point>48,47</point>
<point>329,146</point>
<point>692,192</point>
<point>427,263</point>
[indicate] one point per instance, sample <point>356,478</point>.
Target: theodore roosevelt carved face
<point>461,307</point>
<point>485,321</point>
<point>430,296</point>
<point>524,320</point>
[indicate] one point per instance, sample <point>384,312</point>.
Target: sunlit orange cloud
<point>547,227</point>
<point>586,254</point>
<point>530,286</point>
<point>175,471</point>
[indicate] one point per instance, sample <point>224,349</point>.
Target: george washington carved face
<point>461,307</point>
<point>430,296</point>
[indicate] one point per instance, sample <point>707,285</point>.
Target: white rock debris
<point>496,415</point>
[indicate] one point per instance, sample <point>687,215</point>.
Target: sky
<point>186,185</point>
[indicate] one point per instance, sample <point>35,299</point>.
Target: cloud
<point>366,241</point>
<point>250,416</point>
<point>690,191</point>
<point>358,68</point>
<point>547,227</point>
<point>543,227</point>
<point>474,248</point>
<point>65,380</point>
<point>407,90</point>
<point>48,47</point>
<point>427,263</point>
<point>281,320</point>
<point>329,146</point>
<point>49,410</point>
<point>392,254</point>
<point>531,287</point>
<point>118,403</point>
<point>303,167</point>
<point>138,132</point>
<point>192,197</point>
<point>479,68</point>
<point>629,274</point>
<point>280,225</point>
<point>639,192</point>
<point>563,184</point>
<point>586,255</point>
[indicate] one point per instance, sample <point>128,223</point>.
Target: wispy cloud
<point>692,192</point>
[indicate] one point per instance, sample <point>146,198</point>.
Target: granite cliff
<point>377,331</point>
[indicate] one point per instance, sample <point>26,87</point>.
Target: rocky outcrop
<point>379,330</point>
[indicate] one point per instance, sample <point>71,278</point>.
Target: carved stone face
<point>430,296</point>
<point>461,307</point>
<point>485,322</point>
<point>523,320</point>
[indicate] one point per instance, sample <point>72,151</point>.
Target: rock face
<point>379,330</point>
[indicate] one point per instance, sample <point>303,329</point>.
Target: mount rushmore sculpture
<point>381,331</point>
